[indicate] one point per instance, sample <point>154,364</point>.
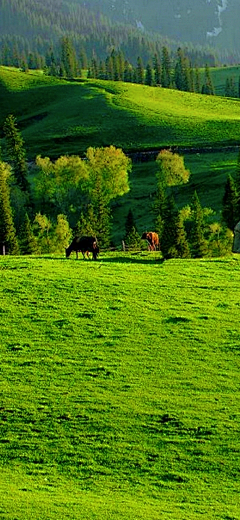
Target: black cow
<point>84,244</point>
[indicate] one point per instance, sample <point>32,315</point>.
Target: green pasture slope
<point>119,388</point>
<point>58,117</point>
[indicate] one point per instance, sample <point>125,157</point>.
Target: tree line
<point>41,208</point>
<point>29,28</point>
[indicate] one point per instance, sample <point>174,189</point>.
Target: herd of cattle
<point>89,244</point>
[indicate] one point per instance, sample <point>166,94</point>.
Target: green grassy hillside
<point>120,388</point>
<point>58,117</point>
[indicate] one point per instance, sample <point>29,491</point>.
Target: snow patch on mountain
<point>220,9</point>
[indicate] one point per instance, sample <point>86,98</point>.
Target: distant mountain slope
<point>100,24</point>
<point>213,22</point>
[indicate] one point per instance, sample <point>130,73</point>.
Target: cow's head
<point>95,251</point>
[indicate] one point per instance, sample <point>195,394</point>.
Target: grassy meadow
<point>62,117</point>
<point>120,378</point>
<point>120,388</point>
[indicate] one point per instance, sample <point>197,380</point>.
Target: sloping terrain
<point>58,117</point>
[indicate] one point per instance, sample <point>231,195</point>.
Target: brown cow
<point>152,239</point>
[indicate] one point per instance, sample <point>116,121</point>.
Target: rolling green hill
<point>59,117</point>
<point>120,388</point>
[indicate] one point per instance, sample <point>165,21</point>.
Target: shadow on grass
<point>131,260</point>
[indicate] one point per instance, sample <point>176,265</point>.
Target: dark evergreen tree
<point>8,238</point>
<point>198,243</point>
<point>128,72</point>
<point>182,245</point>
<point>157,70</point>
<point>197,85</point>
<point>132,238</point>
<point>159,208</point>
<point>169,234</point>
<point>166,68</point>
<point>140,70</point>
<point>208,87</point>
<point>230,213</point>
<point>149,75</point>
<point>68,58</point>
<point>16,152</point>
<point>27,240</point>
<point>182,72</point>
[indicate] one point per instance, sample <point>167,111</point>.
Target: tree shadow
<point>131,260</point>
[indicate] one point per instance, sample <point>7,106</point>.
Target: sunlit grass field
<point>119,388</point>
<point>58,117</point>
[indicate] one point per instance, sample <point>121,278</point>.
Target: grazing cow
<point>84,244</point>
<point>152,239</point>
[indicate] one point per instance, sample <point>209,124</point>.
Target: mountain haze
<point>102,24</point>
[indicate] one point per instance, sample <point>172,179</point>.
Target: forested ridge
<point>30,27</point>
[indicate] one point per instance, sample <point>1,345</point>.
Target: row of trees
<point>192,231</point>
<point>41,209</point>
<point>166,70</point>
<point>56,199</point>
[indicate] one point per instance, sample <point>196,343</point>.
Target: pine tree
<point>159,207</point>
<point>132,238</point>
<point>182,245</point>
<point>230,204</point>
<point>149,75</point>
<point>166,68</point>
<point>16,152</point>
<point>157,70</point>
<point>7,230</point>
<point>197,87</point>
<point>140,71</point>
<point>182,73</point>
<point>198,244</point>
<point>27,240</point>
<point>208,85</point>
<point>169,235</point>
<point>68,58</point>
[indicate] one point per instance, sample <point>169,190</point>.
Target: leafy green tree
<point>62,234</point>
<point>27,240</point>
<point>60,186</point>
<point>16,153</point>
<point>7,230</point>
<point>230,204</point>
<point>198,243</point>
<point>101,212</point>
<point>172,171</point>
<point>86,224</point>
<point>43,232</point>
